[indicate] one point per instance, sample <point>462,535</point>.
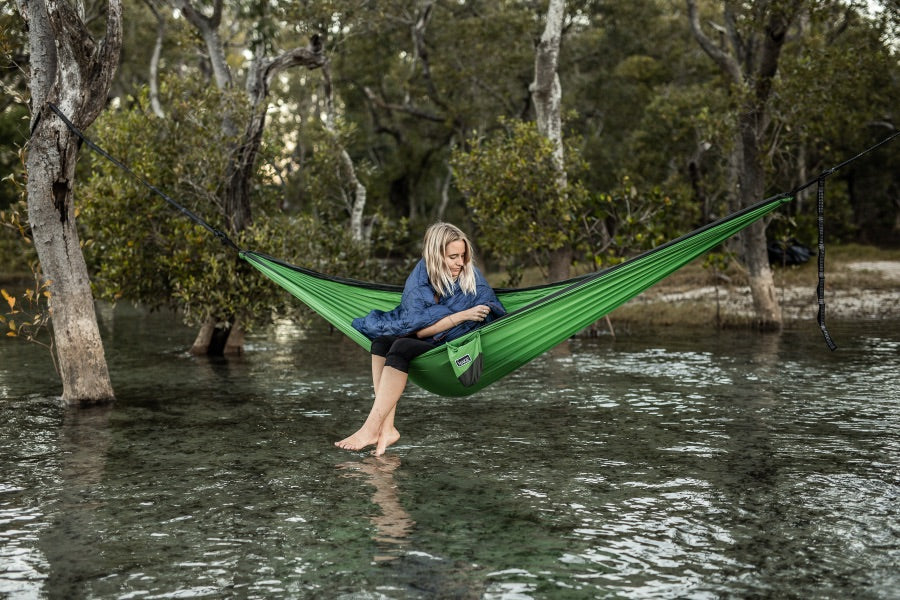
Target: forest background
<point>330,134</point>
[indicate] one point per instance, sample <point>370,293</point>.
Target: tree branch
<point>311,57</point>
<point>421,50</point>
<point>154,60</point>
<point>209,30</point>
<point>404,108</point>
<point>726,62</point>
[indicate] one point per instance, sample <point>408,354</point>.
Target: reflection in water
<point>752,479</point>
<point>662,465</point>
<point>394,524</point>
<point>73,541</point>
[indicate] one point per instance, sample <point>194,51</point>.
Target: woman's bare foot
<point>359,440</point>
<point>385,440</point>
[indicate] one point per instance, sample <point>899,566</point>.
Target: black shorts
<point>398,352</point>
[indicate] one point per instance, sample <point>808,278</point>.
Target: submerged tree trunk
<point>546,94</point>
<point>204,337</point>
<point>71,71</point>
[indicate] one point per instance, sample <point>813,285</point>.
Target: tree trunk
<point>234,345</point>
<point>546,91</point>
<point>204,337</point>
<point>751,186</point>
<point>546,94</point>
<point>240,172</point>
<point>71,71</point>
<point>154,61</point>
<point>751,64</point>
<point>560,261</point>
<point>357,203</point>
<point>208,27</point>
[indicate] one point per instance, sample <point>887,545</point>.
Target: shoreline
<point>861,283</point>
<point>853,290</point>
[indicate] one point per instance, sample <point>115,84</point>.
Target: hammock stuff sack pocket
<point>467,359</point>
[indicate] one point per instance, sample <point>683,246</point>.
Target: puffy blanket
<point>420,307</point>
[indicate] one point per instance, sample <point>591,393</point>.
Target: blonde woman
<point>445,297</point>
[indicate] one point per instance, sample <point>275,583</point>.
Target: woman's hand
<point>477,313</point>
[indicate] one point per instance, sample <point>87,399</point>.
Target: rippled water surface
<point>664,464</point>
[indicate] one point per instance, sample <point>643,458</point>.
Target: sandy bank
<point>854,290</point>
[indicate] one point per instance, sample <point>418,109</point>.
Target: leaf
<point>11,300</point>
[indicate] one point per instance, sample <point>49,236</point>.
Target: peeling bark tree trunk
<point>546,94</point>
<point>751,65</point>
<point>70,70</point>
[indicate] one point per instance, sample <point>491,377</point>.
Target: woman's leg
<point>389,378</point>
<point>388,434</point>
<point>391,385</point>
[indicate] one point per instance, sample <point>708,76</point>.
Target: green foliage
<point>837,94</point>
<point>209,280</point>
<point>624,222</point>
<point>520,205</point>
<point>26,315</point>
<point>322,185</point>
<point>142,249</point>
<point>654,119</point>
<point>14,115</point>
<point>411,105</point>
<point>523,212</point>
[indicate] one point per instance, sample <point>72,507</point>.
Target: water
<point>663,464</point>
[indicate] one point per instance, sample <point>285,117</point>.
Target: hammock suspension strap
<point>188,213</point>
<point>223,237</point>
<point>820,288</point>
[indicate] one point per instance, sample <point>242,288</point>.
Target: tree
<point>243,155</point>
<point>69,69</point>
<point>451,69</point>
<point>546,94</point>
<point>752,39</point>
<point>515,194</point>
<point>140,249</point>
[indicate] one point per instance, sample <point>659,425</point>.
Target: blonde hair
<point>437,238</point>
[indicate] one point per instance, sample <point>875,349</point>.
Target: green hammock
<point>538,317</point>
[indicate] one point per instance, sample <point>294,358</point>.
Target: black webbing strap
<point>188,213</point>
<point>820,288</point>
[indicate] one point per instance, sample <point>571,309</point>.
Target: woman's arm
<point>476,313</point>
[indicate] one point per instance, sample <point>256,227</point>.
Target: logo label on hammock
<point>463,360</point>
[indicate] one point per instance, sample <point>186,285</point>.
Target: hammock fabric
<point>538,318</point>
